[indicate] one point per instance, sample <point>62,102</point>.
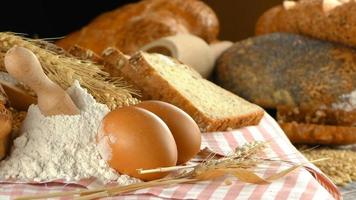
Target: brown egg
<point>184,129</point>
<point>131,138</point>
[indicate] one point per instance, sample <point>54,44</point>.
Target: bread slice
<point>84,54</point>
<point>300,133</point>
<point>163,78</point>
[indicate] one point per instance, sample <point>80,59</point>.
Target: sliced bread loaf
<point>301,133</point>
<point>316,115</point>
<point>163,78</point>
<point>318,125</point>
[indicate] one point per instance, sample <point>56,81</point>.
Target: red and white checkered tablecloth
<point>304,184</point>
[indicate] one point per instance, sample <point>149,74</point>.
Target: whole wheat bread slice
<point>163,78</point>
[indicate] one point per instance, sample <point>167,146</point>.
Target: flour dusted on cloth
<point>61,147</point>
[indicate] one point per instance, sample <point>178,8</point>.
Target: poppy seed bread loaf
<point>310,82</point>
<point>288,69</point>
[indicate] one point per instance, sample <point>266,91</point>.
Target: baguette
<point>163,78</point>
<point>300,133</point>
<point>332,20</point>
<point>132,26</point>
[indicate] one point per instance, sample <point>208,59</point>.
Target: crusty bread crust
<point>139,72</point>
<point>278,19</point>
<point>323,19</point>
<point>5,130</point>
<point>315,115</point>
<point>300,133</point>
<point>84,54</point>
<point>313,125</point>
<point>135,25</point>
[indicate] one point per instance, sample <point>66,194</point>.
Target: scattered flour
<point>347,102</point>
<point>62,147</point>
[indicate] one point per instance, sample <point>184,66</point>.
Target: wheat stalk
<point>64,69</point>
<point>237,164</point>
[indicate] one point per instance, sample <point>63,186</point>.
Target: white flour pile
<point>61,147</point>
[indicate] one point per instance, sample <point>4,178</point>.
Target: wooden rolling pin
<point>23,65</point>
<point>190,50</point>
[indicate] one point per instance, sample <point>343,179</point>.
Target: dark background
<point>48,19</point>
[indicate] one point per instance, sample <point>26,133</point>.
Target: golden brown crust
<point>134,25</point>
<point>5,130</point>
<point>277,19</point>
<point>14,94</point>
<point>153,86</point>
<point>114,60</point>
<point>2,65</point>
<point>300,133</point>
<point>84,54</point>
<point>316,115</point>
<point>310,17</point>
<point>3,96</point>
